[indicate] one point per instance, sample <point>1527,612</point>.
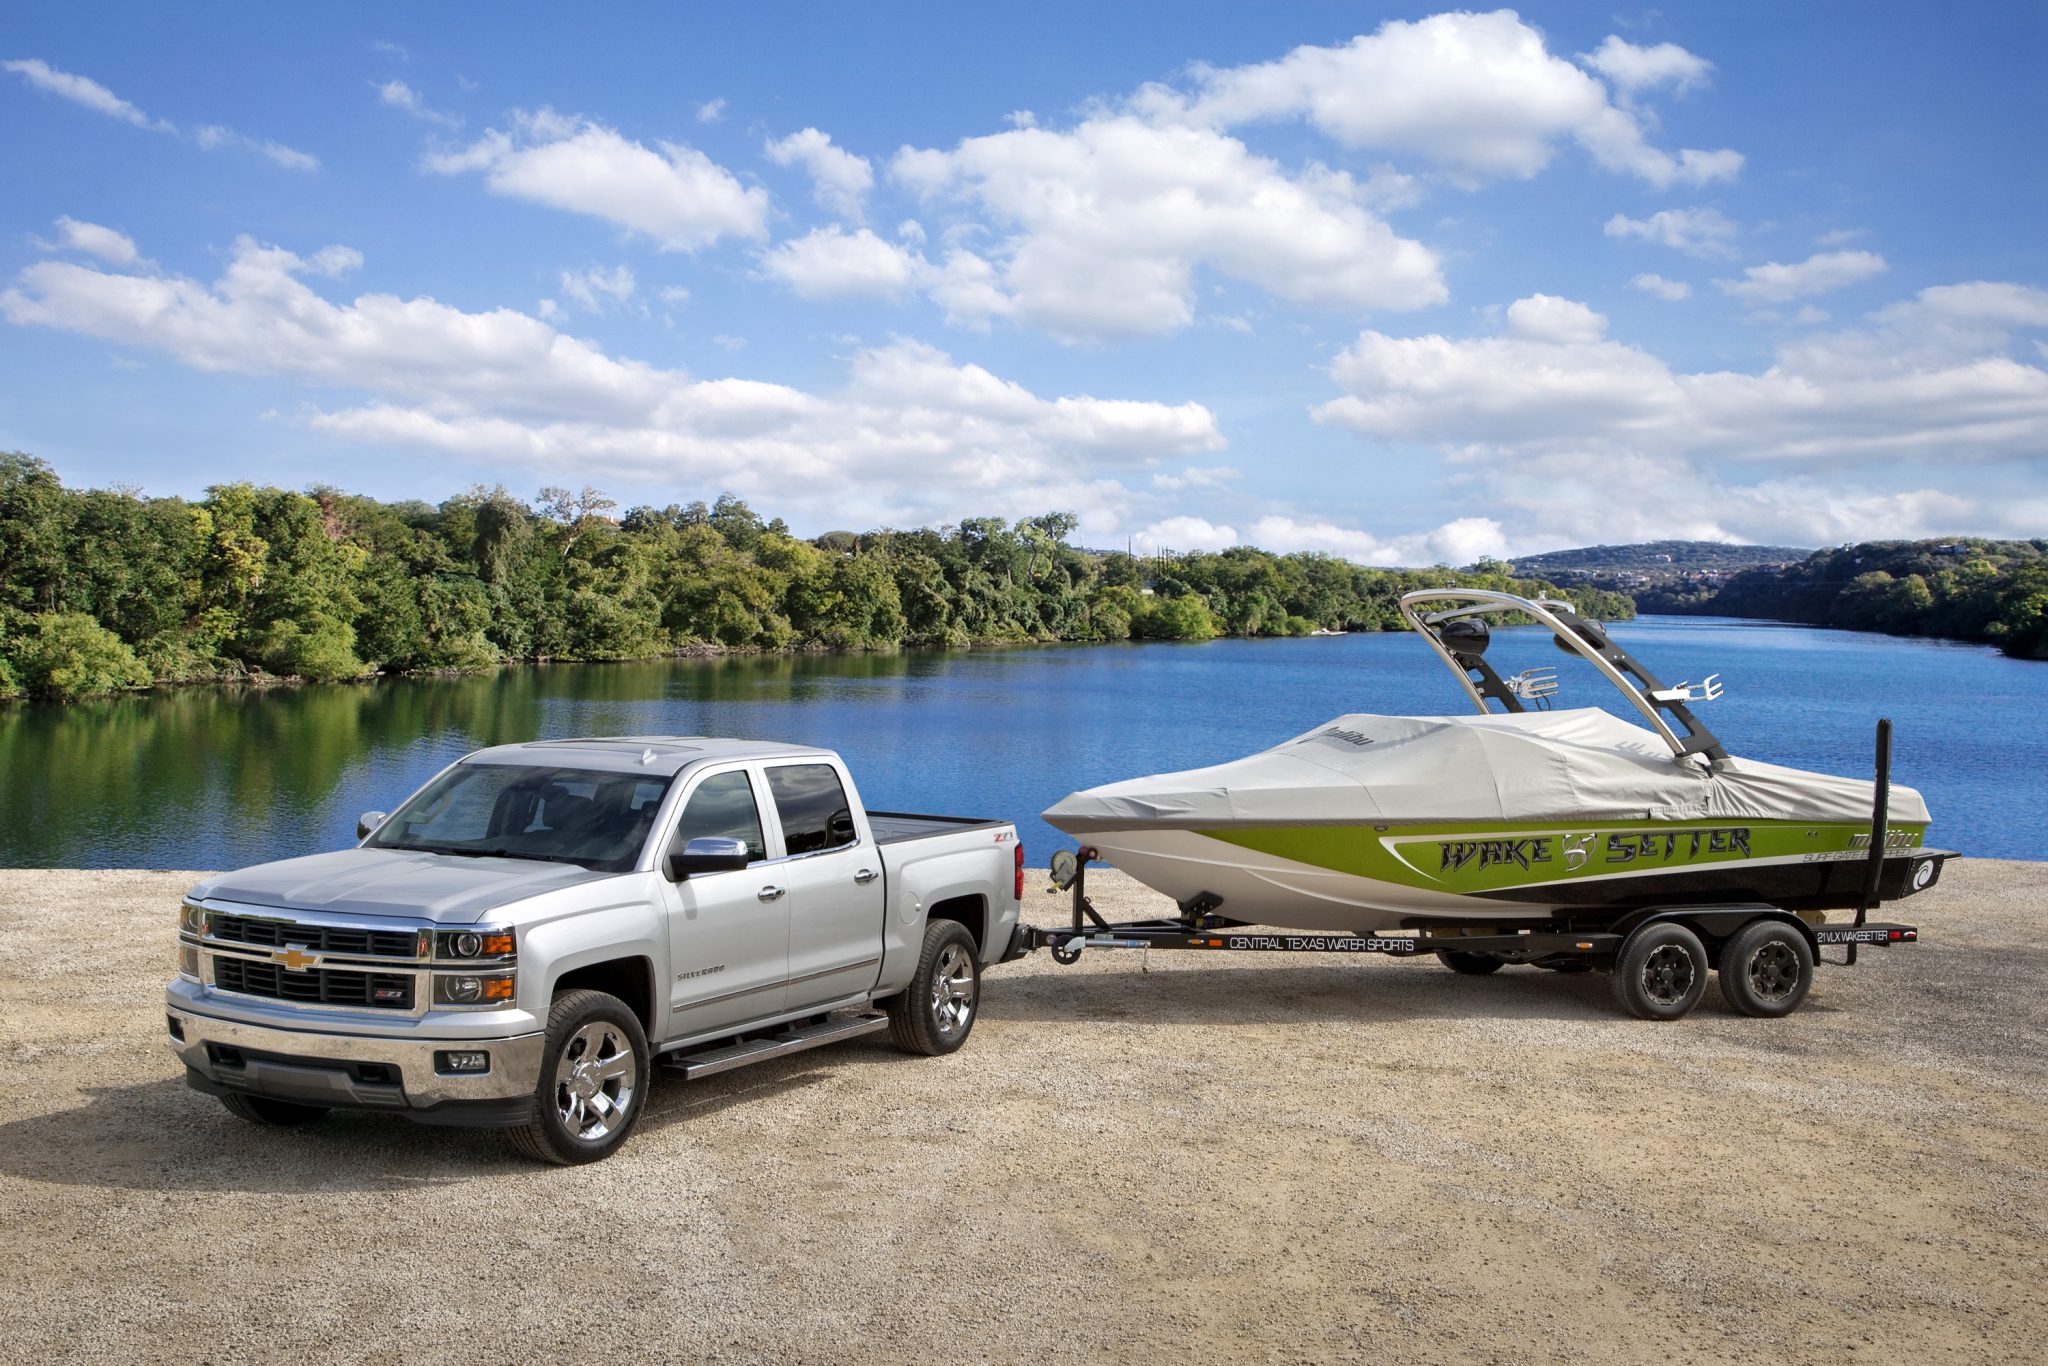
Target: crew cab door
<point>728,936</point>
<point>833,875</point>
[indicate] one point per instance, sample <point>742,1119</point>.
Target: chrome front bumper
<point>357,1071</point>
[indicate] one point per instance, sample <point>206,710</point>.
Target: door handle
<point>768,893</point>
<point>864,876</point>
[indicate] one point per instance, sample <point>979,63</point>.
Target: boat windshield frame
<point>1661,705</point>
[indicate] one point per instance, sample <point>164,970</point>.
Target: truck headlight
<point>188,962</point>
<point>193,919</point>
<point>472,945</point>
<point>473,989</point>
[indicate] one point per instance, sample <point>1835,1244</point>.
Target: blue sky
<point>1399,284</point>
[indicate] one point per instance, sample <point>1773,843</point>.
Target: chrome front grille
<point>316,986</point>
<point>261,932</point>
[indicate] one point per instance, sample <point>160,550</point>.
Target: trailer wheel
<point>1470,964</point>
<point>934,1014</point>
<point>1766,969</point>
<point>1662,972</point>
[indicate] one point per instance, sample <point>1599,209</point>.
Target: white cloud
<point>1458,542</point>
<point>673,194</point>
<point>1197,477</point>
<point>1632,68</point>
<point>1696,232</point>
<point>1554,427</point>
<point>399,95</point>
<point>1930,378</point>
<point>910,434</point>
<point>674,296</point>
<point>1670,291</point>
<point>82,90</point>
<point>831,263</point>
<point>105,243</point>
<point>1777,283</point>
<point>1478,94</point>
<point>1547,318</point>
<point>595,289</point>
<point>1108,223</point>
<point>212,137</point>
<point>711,111</point>
<point>89,93</point>
<point>839,179</point>
<point>1182,534</point>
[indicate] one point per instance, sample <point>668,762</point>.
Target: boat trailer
<point>1569,944</point>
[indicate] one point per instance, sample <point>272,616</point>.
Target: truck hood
<point>444,888</point>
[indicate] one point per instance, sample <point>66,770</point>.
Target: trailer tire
<point>935,1013</point>
<point>586,1100</point>
<point>268,1110</point>
<point>1766,969</point>
<point>1470,964</point>
<point>1662,972</point>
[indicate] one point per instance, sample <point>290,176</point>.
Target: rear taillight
<point>1020,870</point>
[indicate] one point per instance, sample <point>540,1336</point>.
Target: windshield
<point>563,815</point>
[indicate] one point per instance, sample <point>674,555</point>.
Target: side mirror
<point>706,854</point>
<point>839,827</point>
<point>367,823</point>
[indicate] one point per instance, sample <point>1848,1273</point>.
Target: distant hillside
<point>1656,559</point>
<point>1965,588</point>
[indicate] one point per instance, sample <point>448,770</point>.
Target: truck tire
<point>1662,972</point>
<point>935,1013</point>
<point>1766,969</point>
<point>1470,964</point>
<point>279,1114</point>
<point>593,1081</point>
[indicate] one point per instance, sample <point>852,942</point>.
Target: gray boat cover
<point>1576,765</point>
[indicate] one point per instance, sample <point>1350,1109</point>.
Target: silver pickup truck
<point>533,931</point>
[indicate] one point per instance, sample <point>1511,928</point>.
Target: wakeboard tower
<point>1524,833</point>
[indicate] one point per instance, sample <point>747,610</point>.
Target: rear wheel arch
<point>971,911</point>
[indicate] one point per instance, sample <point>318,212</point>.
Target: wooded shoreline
<point>106,590</point>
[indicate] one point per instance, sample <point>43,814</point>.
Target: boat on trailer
<point>1524,833</point>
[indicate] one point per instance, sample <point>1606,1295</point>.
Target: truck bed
<point>895,827</point>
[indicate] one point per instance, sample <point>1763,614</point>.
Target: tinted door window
<point>722,806</point>
<point>813,807</point>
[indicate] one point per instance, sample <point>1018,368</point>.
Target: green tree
<point>68,655</point>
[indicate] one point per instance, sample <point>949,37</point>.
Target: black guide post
<point>1880,828</point>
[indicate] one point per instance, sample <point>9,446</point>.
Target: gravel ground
<point>1224,1158</point>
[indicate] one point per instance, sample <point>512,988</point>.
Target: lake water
<point>217,779</point>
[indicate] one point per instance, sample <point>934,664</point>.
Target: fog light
<point>177,1027</point>
<point>462,1060</point>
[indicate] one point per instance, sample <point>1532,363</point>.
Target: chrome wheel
<point>594,1081</point>
<point>1774,972</point>
<point>1668,975</point>
<point>953,991</point>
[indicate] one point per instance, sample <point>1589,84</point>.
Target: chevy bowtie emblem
<point>296,959</point>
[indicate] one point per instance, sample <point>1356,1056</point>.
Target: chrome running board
<point>711,1061</point>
